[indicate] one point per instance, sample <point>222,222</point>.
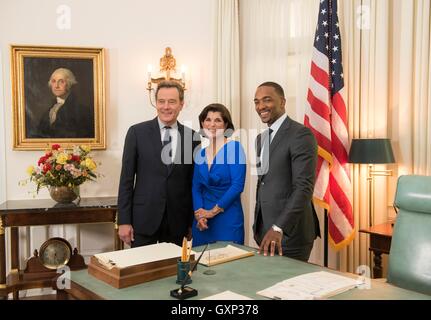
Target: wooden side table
<point>19,213</point>
<point>380,242</point>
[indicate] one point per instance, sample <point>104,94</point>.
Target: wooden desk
<point>380,242</point>
<point>19,213</point>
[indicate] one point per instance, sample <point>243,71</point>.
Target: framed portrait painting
<point>58,96</point>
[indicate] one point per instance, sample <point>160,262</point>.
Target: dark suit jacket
<point>148,187</point>
<point>73,121</point>
<point>284,193</point>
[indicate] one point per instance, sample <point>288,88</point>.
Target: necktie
<point>269,134</point>
<point>265,151</point>
<point>167,139</point>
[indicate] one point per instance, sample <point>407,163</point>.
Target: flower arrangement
<point>60,167</point>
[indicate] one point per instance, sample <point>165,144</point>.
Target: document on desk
<point>227,295</point>
<point>309,286</point>
<point>222,255</point>
<point>134,256</point>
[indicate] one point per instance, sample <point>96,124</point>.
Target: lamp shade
<point>371,151</point>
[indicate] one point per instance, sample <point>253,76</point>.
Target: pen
<point>184,250</point>
<point>189,249</point>
<point>191,271</point>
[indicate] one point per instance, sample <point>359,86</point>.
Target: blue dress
<point>221,185</point>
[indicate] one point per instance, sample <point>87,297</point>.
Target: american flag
<point>326,116</point>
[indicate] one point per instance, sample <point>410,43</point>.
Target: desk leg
<point>3,291</point>
<point>377,268</point>
<point>118,243</point>
<point>14,241</point>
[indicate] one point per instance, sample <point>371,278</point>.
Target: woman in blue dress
<point>218,180</point>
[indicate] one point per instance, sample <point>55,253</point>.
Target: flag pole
<point>325,239</point>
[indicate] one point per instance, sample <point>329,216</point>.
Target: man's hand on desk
<point>271,241</point>
<point>125,233</point>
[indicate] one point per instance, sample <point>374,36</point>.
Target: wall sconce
<point>372,151</point>
<point>168,70</point>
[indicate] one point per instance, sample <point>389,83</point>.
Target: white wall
<point>134,34</point>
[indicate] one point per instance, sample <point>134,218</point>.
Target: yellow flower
<point>85,148</point>
<point>30,170</point>
<point>54,169</point>
<point>90,164</point>
<point>62,158</point>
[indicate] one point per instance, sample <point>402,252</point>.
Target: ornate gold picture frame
<point>58,96</point>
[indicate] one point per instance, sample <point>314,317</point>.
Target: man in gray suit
<point>285,219</point>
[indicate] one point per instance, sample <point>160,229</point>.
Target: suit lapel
<point>260,143</point>
<point>156,141</point>
<point>155,138</point>
<point>279,136</point>
<point>258,146</point>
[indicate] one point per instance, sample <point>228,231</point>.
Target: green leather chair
<point>410,254</point>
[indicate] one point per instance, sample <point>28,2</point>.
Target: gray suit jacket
<point>284,193</point>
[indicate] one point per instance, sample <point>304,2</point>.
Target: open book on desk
<point>309,286</point>
<point>139,255</point>
<point>129,267</point>
<point>222,255</point>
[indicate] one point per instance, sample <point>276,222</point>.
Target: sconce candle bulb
<point>150,70</point>
<point>183,73</point>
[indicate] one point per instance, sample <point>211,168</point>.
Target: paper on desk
<point>314,285</point>
<point>225,254</point>
<point>134,256</point>
<point>227,295</point>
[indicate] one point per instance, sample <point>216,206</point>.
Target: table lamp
<point>372,151</point>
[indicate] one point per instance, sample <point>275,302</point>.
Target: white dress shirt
<point>274,127</point>
<point>173,131</point>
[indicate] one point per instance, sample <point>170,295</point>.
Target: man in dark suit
<point>66,118</point>
<point>287,153</point>
<point>155,192</point>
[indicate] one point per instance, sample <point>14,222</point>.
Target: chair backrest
<point>410,254</point>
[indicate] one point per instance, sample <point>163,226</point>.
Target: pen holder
<point>183,268</point>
